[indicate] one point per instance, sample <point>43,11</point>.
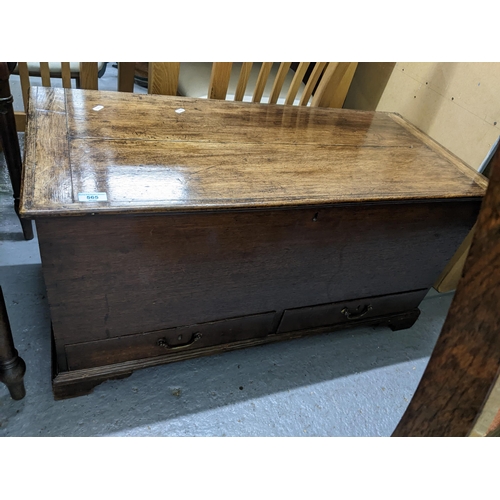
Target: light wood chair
<point>85,74</point>
<point>12,366</point>
<point>323,84</point>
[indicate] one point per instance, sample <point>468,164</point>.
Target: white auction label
<point>92,197</point>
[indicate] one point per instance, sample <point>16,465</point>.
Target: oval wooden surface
<point>160,153</point>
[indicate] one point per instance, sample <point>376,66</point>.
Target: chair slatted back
<point>327,83</point>
<point>261,81</point>
<point>246,67</point>
<point>297,79</point>
<point>89,75</point>
<point>330,86</point>
<point>312,82</point>
<point>66,75</point>
<point>45,74</point>
<point>279,81</point>
<point>24,77</point>
<point>126,72</point>
<point>86,78</point>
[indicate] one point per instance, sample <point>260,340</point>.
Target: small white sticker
<point>98,108</point>
<point>180,110</point>
<point>89,197</point>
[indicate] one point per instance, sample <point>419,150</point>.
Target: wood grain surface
<point>219,80</point>
<point>278,82</point>
<point>465,363</point>
<point>73,383</point>
<point>89,75</point>
<point>148,157</point>
<point>265,69</point>
<point>223,217</point>
<point>163,79</point>
<point>246,67</point>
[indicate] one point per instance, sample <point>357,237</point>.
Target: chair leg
<point>12,367</point>
<point>10,145</point>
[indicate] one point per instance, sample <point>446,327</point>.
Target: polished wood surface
<point>148,157</point>
<point>463,369</point>
<point>229,224</point>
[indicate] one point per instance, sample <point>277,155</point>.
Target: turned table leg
<point>12,367</point>
<point>10,144</point>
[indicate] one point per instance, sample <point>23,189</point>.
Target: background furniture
<point>12,367</point>
<point>459,394</point>
<point>320,84</point>
<point>173,227</point>
<point>455,103</point>
<point>10,142</point>
<point>85,74</point>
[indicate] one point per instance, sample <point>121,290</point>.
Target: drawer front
<point>308,318</point>
<point>169,341</point>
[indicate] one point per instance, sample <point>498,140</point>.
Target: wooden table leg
<point>12,367</point>
<point>10,144</point>
<point>464,367</point>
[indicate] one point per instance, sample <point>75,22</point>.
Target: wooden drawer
<point>169,341</point>
<point>307,318</point>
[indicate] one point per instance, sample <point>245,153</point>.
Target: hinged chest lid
<point>112,152</point>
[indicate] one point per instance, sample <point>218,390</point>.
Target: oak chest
<point>171,228</point>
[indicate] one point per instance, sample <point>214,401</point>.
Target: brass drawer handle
<point>163,342</point>
<point>355,314</point>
